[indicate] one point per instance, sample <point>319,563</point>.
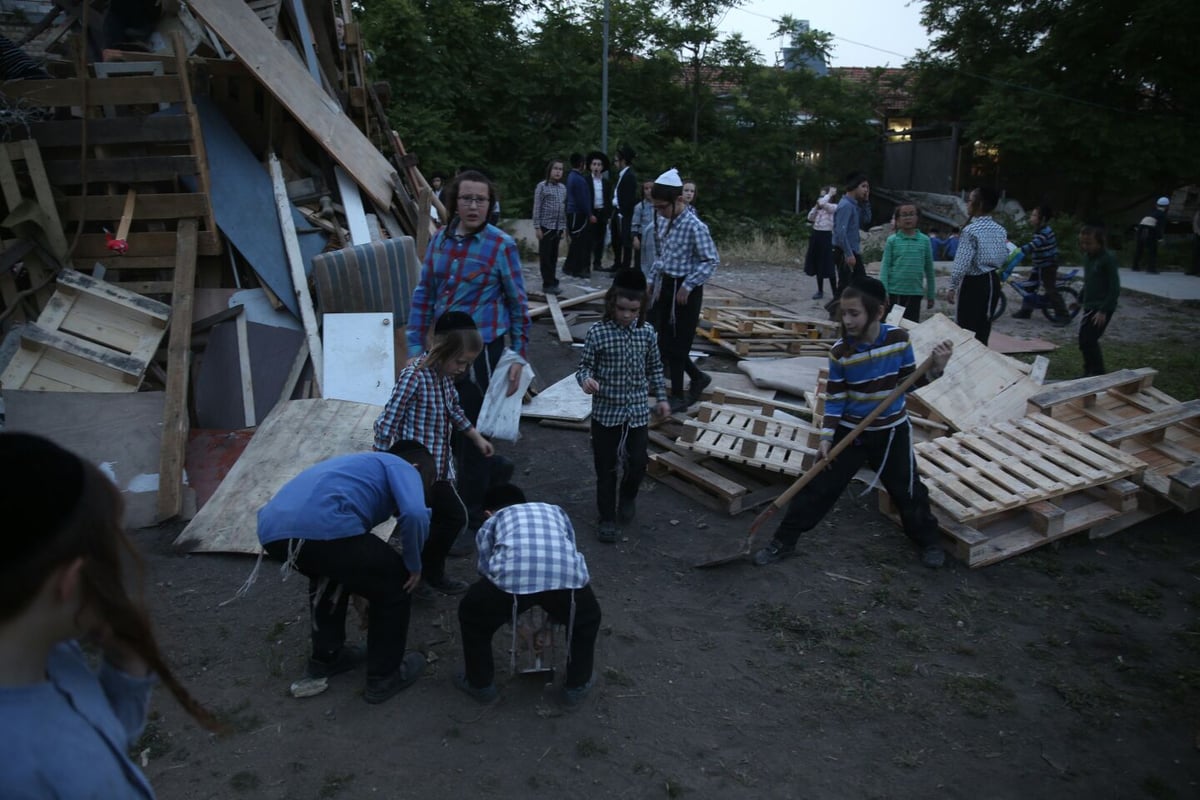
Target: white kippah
<point>669,178</point>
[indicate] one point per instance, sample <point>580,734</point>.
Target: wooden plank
<point>120,364</point>
<point>197,135</point>
<point>296,264</point>
<point>136,169</point>
<point>179,351</point>
<point>1067,391</point>
<point>291,85</point>
<point>247,382</point>
<point>356,217</point>
<point>1151,424</point>
<point>164,129</point>
<point>538,310</point>
<point>124,91</point>
<point>698,474</point>
<point>151,243</point>
<point>104,208</point>
<point>143,308</point>
<point>560,323</point>
<point>45,197</point>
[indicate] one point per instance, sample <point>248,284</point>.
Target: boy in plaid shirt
<point>620,367</point>
<point>527,557</point>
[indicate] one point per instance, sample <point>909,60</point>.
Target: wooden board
<point>295,436</point>
<point>979,387</point>
<point>563,400</point>
<point>360,362</point>
<point>289,82</point>
<point>715,484</point>
<point>747,435</point>
<point>538,310</point>
<point>175,420</point>
<point>560,322</point>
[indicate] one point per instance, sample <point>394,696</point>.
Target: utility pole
<point>604,86</point>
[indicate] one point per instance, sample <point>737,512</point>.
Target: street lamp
<point>804,160</point>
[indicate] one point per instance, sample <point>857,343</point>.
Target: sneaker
<point>573,697</point>
<point>1023,313</point>
<point>607,532</point>
<point>626,511</point>
<point>448,585</point>
<point>819,296</point>
<point>487,695</point>
<point>933,556</point>
<point>551,290</point>
<point>697,387</point>
<point>380,689</point>
<point>349,657</point>
<point>773,553</point>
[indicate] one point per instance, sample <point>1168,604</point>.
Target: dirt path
<point>848,672</point>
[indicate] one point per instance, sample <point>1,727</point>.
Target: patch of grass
<point>152,739</point>
<point>778,620</point>
<point>588,747</point>
<point>1044,562</point>
<point>1147,601</point>
<point>333,783</point>
<point>913,637</point>
<point>759,247</point>
<point>245,781</point>
<point>979,695</point>
<point>1177,366</point>
<point>277,631</point>
<point>1100,625</point>
<point>1094,701</point>
<point>909,759</point>
<point>1088,569</point>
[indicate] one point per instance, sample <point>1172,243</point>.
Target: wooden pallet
<point>1099,511</point>
<point>91,337</point>
<point>1125,410</point>
<point>749,331</point>
<point>752,434</point>
<point>974,476</point>
<point>713,483</point>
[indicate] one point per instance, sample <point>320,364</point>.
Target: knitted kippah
<point>40,486</point>
<point>454,321</point>
<point>669,178</point>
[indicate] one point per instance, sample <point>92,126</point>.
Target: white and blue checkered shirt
<point>530,548</point>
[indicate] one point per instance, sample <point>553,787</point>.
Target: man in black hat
<point>602,205</point>
<point>579,213</point>
<point>852,216</point>
<point>625,197</point>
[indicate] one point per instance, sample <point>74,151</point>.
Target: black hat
<point>631,280</point>
<point>853,180</point>
<point>454,321</point>
<point>592,156</point>
<point>626,153</point>
<point>871,286</point>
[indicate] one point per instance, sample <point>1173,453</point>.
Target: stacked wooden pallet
<point>750,331</point>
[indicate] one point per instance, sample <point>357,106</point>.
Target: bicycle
<point>1066,284</point>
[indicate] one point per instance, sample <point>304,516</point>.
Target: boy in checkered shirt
<point>620,367</point>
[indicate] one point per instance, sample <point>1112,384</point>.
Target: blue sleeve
<point>129,697</point>
<point>412,517</point>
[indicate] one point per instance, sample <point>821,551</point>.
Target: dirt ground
<point>848,672</point>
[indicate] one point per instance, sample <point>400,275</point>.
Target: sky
<point>867,33</point>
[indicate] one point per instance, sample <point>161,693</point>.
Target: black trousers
<point>1047,279</point>
<point>608,444</point>
<point>977,299</point>
<point>898,476</point>
<point>364,565</point>
<point>598,236</point>
<point>911,303</point>
<point>580,247</point>
<point>676,326</point>
<point>548,256</point>
<point>474,468</point>
<point>845,273</point>
<point>446,523</point>
<point>1089,342</point>
<point>622,241</point>
<point>485,607</point>
<point>1147,244</point>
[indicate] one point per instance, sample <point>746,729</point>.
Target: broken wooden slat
<point>175,412</point>
<point>1068,391</point>
<point>125,91</point>
<point>560,322</point>
<point>104,208</point>
<point>164,129</point>
<point>1151,424</point>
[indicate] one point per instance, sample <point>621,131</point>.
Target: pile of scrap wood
<point>1010,464</point>
<point>189,228</point>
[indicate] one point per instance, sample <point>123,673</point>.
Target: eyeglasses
<point>470,202</point>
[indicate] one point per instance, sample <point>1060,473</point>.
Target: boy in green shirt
<point>1101,288</point>
<point>907,270</point>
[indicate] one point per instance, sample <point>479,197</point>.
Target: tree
<point>1094,98</point>
<point>690,29</point>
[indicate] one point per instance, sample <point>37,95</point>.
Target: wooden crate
<point>748,331</point>
<point>91,337</point>
<point>1124,409</point>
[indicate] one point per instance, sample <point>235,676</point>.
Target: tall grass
<point>763,248</point>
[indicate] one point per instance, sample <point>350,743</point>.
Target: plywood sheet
<point>120,433</point>
<point>295,436</point>
<point>360,352</point>
<point>564,400</point>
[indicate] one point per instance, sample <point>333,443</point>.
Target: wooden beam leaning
<point>175,412</point>
<point>299,279</point>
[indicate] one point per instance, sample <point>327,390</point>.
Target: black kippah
<point>871,286</point>
<point>40,486</point>
<point>631,280</point>
<point>454,321</point>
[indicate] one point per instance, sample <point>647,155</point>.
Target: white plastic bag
<point>500,417</point>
